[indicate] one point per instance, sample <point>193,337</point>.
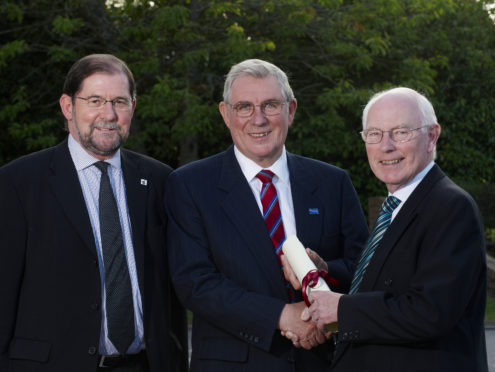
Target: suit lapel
<point>241,207</point>
<point>64,182</point>
<point>137,184</point>
<point>404,218</point>
<point>308,210</point>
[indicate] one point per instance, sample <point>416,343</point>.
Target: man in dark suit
<point>224,263</point>
<point>82,244</point>
<point>417,298</point>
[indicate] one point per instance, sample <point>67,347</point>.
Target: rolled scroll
<point>306,271</point>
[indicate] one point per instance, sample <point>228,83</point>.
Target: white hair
<point>425,107</point>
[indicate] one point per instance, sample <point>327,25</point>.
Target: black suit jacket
<point>50,316</point>
<point>224,267</point>
<point>420,306</point>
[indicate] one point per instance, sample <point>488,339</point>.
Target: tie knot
<point>102,166</point>
<point>390,204</point>
<point>265,176</point>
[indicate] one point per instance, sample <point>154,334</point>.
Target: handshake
<point>306,326</point>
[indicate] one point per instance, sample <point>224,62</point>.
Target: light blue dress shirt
<point>89,178</point>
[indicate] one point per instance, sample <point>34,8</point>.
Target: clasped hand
<point>305,327</point>
<point>296,325</point>
<point>296,322</point>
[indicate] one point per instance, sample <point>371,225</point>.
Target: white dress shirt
<point>403,193</point>
<point>281,181</point>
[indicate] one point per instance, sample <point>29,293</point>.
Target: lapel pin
<point>313,211</point>
<point>144,182</point>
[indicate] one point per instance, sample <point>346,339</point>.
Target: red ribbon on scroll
<point>311,279</point>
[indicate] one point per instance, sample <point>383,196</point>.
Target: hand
<point>301,332</point>
<point>317,260</point>
<point>324,308</point>
<point>290,275</point>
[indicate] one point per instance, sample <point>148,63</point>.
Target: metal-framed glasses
<point>372,136</point>
<point>97,102</point>
<point>268,108</point>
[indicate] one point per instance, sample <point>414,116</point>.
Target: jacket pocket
<point>34,350</point>
<point>229,350</point>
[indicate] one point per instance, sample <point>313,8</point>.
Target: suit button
<point>94,306</point>
<point>256,339</point>
<point>92,350</point>
<point>387,282</point>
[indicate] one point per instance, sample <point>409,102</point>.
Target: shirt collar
<point>250,169</point>
<point>82,159</point>
<point>403,193</point>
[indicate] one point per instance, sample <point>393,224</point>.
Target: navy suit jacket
<point>50,316</point>
<point>224,267</point>
<point>421,304</point>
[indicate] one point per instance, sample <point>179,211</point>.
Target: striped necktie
<point>381,225</point>
<point>272,215</point>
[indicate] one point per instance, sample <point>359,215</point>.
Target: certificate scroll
<point>306,272</point>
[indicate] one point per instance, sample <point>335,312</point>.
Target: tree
<point>336,52</point>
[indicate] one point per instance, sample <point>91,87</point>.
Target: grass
<point>490,309</point>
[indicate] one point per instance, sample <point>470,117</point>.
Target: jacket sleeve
<point>13,237</point>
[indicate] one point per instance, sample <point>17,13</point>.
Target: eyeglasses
<point>372,136</point>
<point>97,102</point>
<point>268,108</point>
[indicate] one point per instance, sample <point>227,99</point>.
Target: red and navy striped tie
<point>272,215</point>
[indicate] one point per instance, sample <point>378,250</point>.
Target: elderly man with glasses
<point>228,217</point>
<point>417,298</point>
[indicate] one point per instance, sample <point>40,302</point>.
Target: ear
<point>292,110</point>
<point>224,111</point>
<point>65,102</point>
<point>434,131</point>
<point>133,106</point>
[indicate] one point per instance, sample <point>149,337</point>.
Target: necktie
<point>119,305</point>
<point>272,215</point>
<point>381,225</point>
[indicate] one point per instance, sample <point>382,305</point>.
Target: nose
<point>258,117</point>
<point>386,144</point>
<point>108,111</point>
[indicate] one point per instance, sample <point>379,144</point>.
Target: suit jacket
<point>224,267</point>
<point>50,317</point>
<point>420,306</point>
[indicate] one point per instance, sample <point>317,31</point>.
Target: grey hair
<point>425,107</point>
<point>259,69</point>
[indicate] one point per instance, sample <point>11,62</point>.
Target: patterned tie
<point>273,216</point>
<point>119,306</point>
<point>381,225</point>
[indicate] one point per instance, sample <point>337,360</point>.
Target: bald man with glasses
<point>417,297</point>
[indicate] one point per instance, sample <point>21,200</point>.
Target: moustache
<point>105,126</point>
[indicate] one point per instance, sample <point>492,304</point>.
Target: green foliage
<point>336,52</point>
<point>484,195</point>
<point>490,309</point>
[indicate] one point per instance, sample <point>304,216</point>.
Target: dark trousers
<point>138,363</point>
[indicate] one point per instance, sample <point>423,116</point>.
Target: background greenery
<point>336,52</point>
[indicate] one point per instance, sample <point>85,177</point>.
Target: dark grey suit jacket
<point>421,304</point>
<point>225,270</point>
<point>51,291</point>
